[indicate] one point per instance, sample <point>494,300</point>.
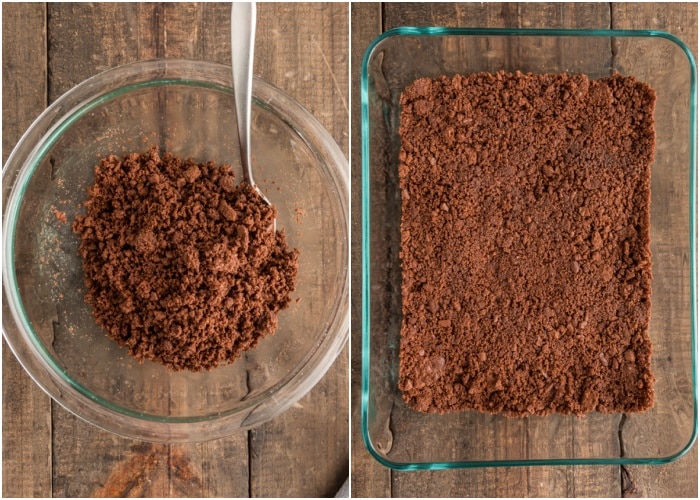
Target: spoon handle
<point>242,48</point>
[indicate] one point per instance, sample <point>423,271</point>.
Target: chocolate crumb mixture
<point>525,247</point>
<point>181,264</point>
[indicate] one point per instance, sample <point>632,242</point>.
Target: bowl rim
<point>33,356</point>
<point>418,31</point>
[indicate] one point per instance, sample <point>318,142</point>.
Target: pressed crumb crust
<point>181,264</point>
<point>525,248</point>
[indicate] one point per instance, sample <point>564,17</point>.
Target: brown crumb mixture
<point>60,216</point>
<point>180,263</point>
<point>525,244</point>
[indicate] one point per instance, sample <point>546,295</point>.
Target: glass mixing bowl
<point>187,108</point>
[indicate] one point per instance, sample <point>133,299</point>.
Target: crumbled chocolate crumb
<point>526,263</point>
<point>60,216</point>
<point>181,265</point>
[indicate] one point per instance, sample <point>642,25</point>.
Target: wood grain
<point>369,478</point>
<point>498,15</point>
<point>306,55</point>
<point>26,416</point>
<point>307,58</point>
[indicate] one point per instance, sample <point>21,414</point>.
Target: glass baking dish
<point>402,438</point>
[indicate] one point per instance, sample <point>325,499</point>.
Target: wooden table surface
<point>369,478</point>
<point>47,451</point>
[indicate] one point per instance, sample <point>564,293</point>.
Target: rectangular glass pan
<point>402,438</point>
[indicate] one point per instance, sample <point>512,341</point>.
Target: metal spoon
<point>242,49</point>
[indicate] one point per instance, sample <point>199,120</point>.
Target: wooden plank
<point>197,31</point>
<point>131,468</point>
<point>86,39</point>
<point>680,478</point>
<point>23,61</point>
<point>26,416</point>
<point>121,467</point>
<point>369,478</point>
<point>303,50</point>
<point>26,433</point>
<point>497,15</point>
<point>116,34</point>
<point>304,451</point>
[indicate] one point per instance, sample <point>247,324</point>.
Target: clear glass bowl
<point>187,108</point>
<point>401,438</point>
